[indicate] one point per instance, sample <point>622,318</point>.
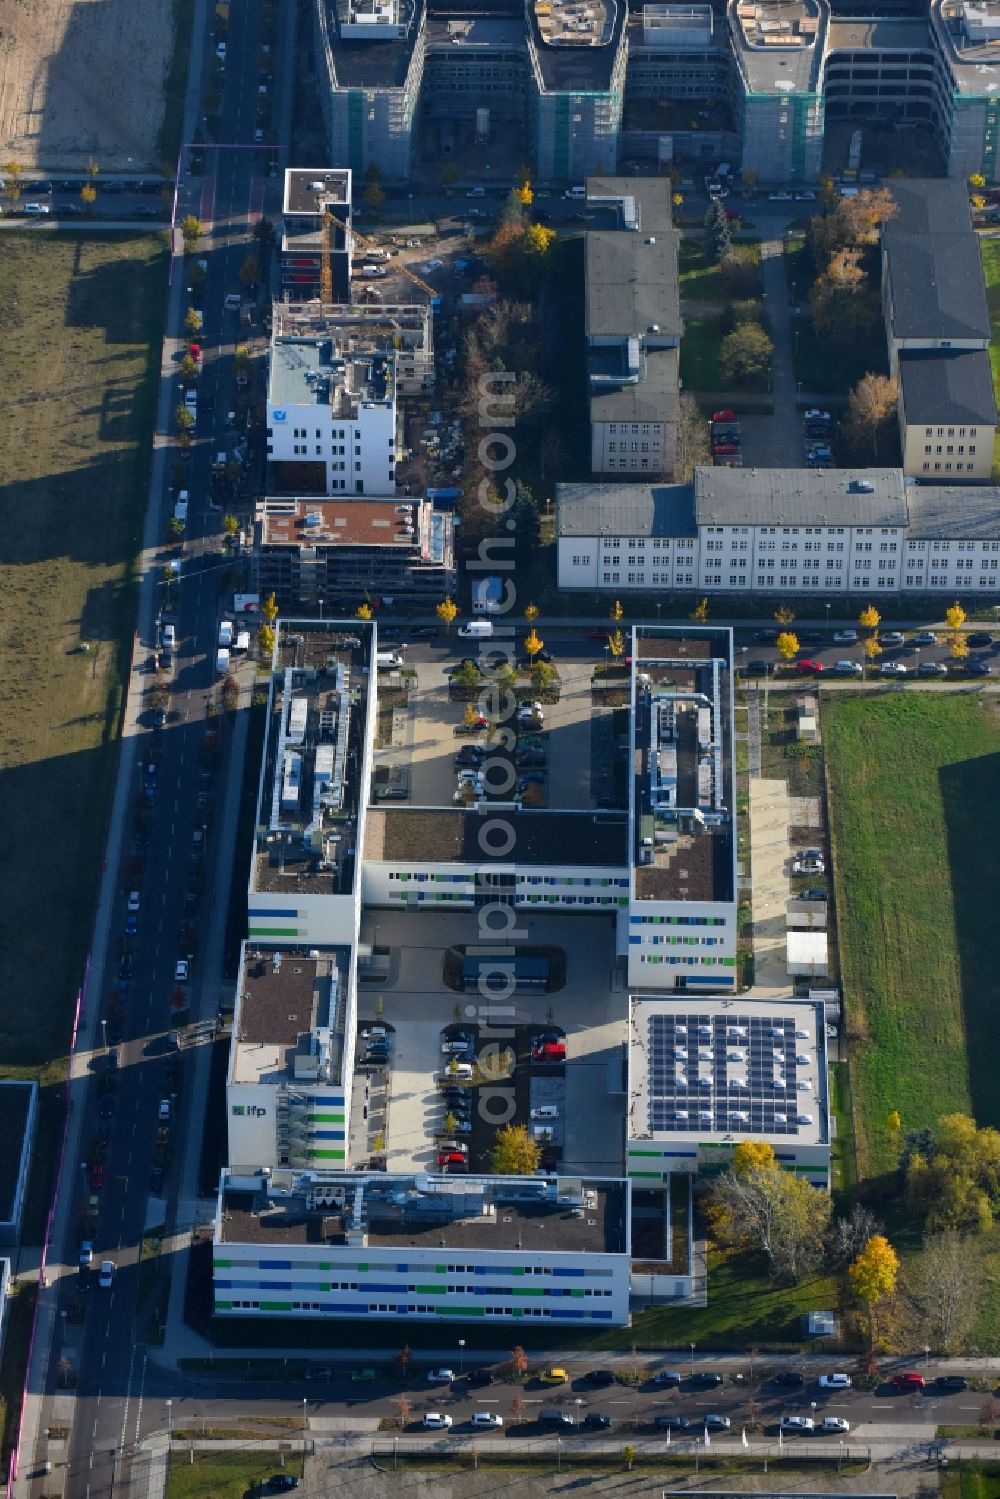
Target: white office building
<point>767,531</point>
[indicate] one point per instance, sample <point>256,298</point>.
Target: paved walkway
<point>776,441</point>
<point>770,815</point>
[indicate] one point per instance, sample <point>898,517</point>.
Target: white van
<point>545,1111</point>
<point>222,662</point>
<point>169,636</point>
<point>181,508</point>
<point>575,193</point>
<point>226,633</point>
<point>477,629</point>
<point>387,661</point>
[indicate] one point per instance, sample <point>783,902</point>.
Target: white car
<point>134,901</point>
<point>164,1111</point>
<point>476,192</point>
<point>932,669</point>
<point>37,210</point>
<point>796,1423</point>
<point>845,637</point>
<point>892,669</point>
<point>780,198</point>
<point>182,970</point>
<point>806,197</point>
<point>847,668</point>
<point>107,1274</point>
<point>815,415</point>
<point>440,1376</point>
<point>86,1253</point>
<point>835,1381</point>
<point>435,1421</point>
<point>486,1418</point>
<point>834,1423</point>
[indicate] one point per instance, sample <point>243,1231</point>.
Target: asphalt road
<point>111,1366</point>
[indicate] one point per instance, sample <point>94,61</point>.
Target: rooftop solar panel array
<point>729,1074</point>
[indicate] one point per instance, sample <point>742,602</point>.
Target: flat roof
<point>340,522</point>
<point>972,58</point>
<point>652,399</point>
<point>879,33</point>
<point>955,512</point>
<point>307,187</point>
<point>15,1107</point>
<point>779,43</point>
<point>456,32</point>
<point>452,836</point>
<point>283,996</point>
<point>583,68</point>
<point>684,805</point>
<point>799,497</point>
<point>310,794</point>
<point>360,62</point>
<point>722,1070</point>
<point>640,510</point>
<point>312,372</point>
<point>559,1214</point>
<point>941,386</point>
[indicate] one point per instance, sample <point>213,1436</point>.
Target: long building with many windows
<point>565,73</point>
<point>835,531</point>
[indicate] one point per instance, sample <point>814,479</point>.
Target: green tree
<point>467,676</point>
<point>514,1152</point>
<point>192,321</point>
<point>543,676</point>
<point>718,237</point>
<point>373,197</point>
<point>511,209</point>
<point>189,369</point>
<point>263,233</point>
<point>843,301</point>
<point>250,271</point>
<point>175,528</point>
<point>526,522</point>
<point>230,525</point>
<point>183,419</point>
<point>745,354</point>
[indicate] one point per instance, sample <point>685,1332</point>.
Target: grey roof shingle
<point>941,387</point>
<point>936,285</point>
<point>632,282</point>
<point>938,205</point>
<point>953,512</point>
<point>652,399</point>
<point>799,497</point>
<point>591,509</point>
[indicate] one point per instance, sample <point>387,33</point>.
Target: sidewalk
<point>770,816</point>
<point>776,441</point>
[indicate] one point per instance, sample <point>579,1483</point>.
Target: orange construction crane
<point>326,282</point>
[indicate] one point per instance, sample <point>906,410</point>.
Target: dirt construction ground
<point>82,79</point>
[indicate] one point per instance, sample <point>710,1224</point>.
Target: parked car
<point>552,1376</point>
<point>707,1379</point>
<point>480,1377</point>
<point>891,638</point>
<point>791,1424</point>
<point>672,1423</point>
<point>107,1275</point>
<point>758,668</point>
<point>979,638</point>
<point>911,1379</point>
<point>932,669</point>
<point>952,1383</point>
<point>726,415</point>
<point>835,1423</point>
<point>716,1422</point>
<point>440,1376</point>
<point>978,669</point>
<point>598,1377</point>
<point>925,637</point>
<point>845,637</point>
<point>489,1419</point>
<point>815,415</point>
<point>893,669</point>
<point>597,1421</point>
<point>97,1176</point>
<point>809,668</point>
<point>668,1378</point>
<point>791,1379</point>
<point>834,1381</point>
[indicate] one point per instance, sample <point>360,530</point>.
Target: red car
<point>724,416</point>
<point>549,1051</point>
<point>195,351</point>
<point>725,449</point>
<point>909,1381</point>
<point>809,668</point>
<point>451,1158</point>
<point>97,1177</point>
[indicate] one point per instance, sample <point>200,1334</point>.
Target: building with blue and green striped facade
<point>423,1248</point>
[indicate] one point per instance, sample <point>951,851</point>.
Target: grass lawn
<point>915,829</point>
<point>700,344</point>
<point>700,278</point>
<point>971,1480</point>
<point>224,1475</point>
<point>79,379</point>
<point>824,366</point>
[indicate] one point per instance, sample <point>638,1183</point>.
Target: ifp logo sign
<point>279,415</point>
<point>249,1110</point>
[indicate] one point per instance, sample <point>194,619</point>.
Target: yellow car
<point>553,1376</point>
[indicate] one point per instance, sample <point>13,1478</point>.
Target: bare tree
<point>692,438</point>
<point>943,1287</point>
<point>848,1236</point>
<point>871,408</point>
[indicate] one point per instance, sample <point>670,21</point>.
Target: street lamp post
<point>828,613</point>
<point>461,1357</point>
<point>170,1418</point>
<point>104,1032</point>
<point>692,1360</point>
<point>927,1354</point>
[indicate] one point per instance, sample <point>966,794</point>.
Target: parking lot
<point>574,733</point>
<point>418,1009</point>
